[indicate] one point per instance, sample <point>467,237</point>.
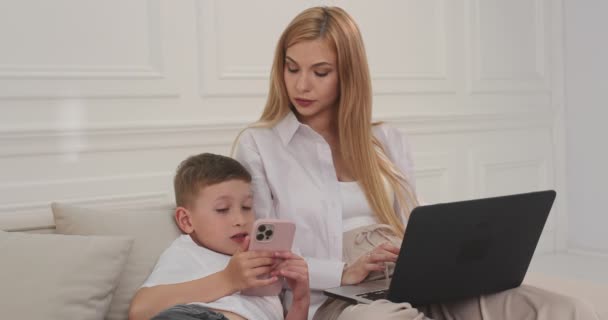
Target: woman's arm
<point>150,301</point>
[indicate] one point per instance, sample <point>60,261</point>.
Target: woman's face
<point>311,78</point>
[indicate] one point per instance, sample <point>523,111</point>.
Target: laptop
<point>458,250</point>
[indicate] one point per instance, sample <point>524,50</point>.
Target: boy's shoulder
<point>186,251</point>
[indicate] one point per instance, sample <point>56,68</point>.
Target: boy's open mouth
<point>239,236</point>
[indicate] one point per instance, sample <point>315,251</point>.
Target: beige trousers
<point>525,302</point>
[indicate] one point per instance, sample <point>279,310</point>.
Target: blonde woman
<point>317,159</point>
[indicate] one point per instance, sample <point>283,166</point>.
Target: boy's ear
<point>182,218</point>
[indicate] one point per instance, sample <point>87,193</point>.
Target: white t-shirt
<point>356,211</point>
<point>185,261</point>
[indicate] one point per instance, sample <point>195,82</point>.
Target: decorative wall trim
<point>584,252</point>
<point>26,142</point>
<point>36,216</point>
<point>40,141</point>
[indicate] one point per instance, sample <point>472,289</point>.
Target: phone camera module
<point>260,237</point>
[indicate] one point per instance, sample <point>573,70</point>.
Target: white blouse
<point>294,178</point>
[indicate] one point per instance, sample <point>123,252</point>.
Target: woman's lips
<point>303,102</point>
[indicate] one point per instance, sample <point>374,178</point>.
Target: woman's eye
<point>292,70</point>
<point>321,74</point>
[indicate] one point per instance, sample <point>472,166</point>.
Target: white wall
<point>586,53</point>
<point>100,100</point>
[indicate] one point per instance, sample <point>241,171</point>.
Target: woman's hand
<point>295,270</point>
<point>245,266</point>
<point>374,260</point>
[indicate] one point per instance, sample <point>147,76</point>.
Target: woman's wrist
<point>344,271</point>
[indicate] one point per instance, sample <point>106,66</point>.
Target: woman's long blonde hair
<point>363,154</point>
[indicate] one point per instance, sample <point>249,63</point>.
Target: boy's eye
<point>246,208</point>
<point>222,210</point>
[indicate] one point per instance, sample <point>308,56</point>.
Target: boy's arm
<point>295,270</point>
<point>150,301</point>
<point>298,311</point>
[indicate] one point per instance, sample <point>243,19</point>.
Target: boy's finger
<point>293,275</point>
<point>260,271</point>
<point>244,245</point>
<point>287,255</point>
<point>260,262</point>
<point>300,270</point>
<point>264,282</point>
<point>260,254</point>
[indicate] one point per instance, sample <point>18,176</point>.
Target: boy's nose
<point>239,220</point>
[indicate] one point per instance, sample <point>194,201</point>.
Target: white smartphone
<point>270,235</point>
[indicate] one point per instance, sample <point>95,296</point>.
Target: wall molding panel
<point>35,216</point>
<point>510,77</point>
<point>41,141</point>
<point>101,101</point>
<point>52,80</point>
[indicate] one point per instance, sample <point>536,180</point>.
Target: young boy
<point>196,277</point>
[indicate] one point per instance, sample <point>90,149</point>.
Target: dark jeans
<point>189,312</point>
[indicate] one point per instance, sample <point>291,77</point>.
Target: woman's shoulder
<point>253,133</point>
<point>387,133</point>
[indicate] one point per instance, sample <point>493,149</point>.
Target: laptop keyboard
<point>374,295</point>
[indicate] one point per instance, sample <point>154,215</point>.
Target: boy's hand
<point>295,270</point>
<point>245,266</point>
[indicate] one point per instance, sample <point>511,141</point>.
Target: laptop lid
<point>462,249</point>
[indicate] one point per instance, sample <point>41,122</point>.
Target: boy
<point>196,277</point>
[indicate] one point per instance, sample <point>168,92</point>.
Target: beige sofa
<point>96,258</point>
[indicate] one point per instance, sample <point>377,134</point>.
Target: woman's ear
<point>182,218</point>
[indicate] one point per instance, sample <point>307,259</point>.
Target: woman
<point>317,159</point>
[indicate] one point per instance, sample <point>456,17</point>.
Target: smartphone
<point>270,235</point>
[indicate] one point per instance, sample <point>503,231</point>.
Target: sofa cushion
<point>49,276</point>
<point>152,227</point>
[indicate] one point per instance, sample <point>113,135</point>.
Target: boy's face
<point>222,216</point>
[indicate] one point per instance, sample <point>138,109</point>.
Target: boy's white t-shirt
<point>185,261</point>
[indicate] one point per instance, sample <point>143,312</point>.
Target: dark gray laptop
<point>461,249</point>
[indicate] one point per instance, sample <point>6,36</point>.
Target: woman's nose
<point>303,83</point>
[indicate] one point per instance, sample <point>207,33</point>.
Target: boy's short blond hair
<point>202,170</point>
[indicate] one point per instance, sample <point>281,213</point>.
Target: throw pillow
<point>49,276</point>
<point>152,227</point>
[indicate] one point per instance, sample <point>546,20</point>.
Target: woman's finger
<point>387,246</point>
<point>382,257</point>
<point>374,267</point>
